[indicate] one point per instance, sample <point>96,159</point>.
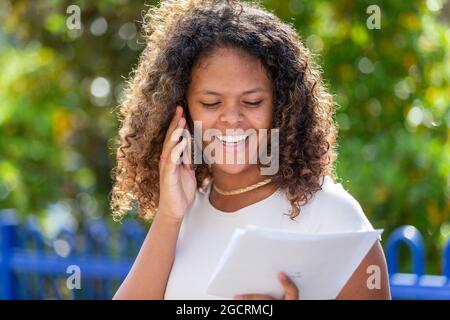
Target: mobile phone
<point>191,143</point>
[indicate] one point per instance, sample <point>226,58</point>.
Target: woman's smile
<point>232,146</point>
<point>232,140</point>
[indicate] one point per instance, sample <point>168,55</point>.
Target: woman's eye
<point>256,103</point>
<point>209,105</point>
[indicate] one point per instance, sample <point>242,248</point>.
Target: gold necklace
<point>241,190</point>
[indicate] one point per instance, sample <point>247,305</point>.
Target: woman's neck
<point>244,179</point>
<point>227,181</point>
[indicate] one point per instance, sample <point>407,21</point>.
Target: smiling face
<point>230,91</point>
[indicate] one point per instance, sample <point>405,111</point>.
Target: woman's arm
<point>148,276</point>
<point>370,280</point>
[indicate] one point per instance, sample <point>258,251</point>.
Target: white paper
<point>319,264</point>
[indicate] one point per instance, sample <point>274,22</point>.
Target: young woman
<point>227,66</point>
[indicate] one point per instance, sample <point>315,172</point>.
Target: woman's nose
<point>231,116</point>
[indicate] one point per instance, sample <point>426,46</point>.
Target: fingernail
<point>238,297</point>
<point>282,276</point>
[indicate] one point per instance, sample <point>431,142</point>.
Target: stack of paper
<point>319,264</point>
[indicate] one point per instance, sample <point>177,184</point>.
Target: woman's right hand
<point>177,182</point>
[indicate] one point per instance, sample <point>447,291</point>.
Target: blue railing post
<point>8,228</point>
<point>411,237</point>
<point>446,260</point>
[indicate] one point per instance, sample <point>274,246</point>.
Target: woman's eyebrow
<point>253,90</point>
<point>218,94</point>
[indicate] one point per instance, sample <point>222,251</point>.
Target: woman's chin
<point>232,168</point>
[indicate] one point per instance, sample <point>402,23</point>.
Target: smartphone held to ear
<point>187,157</point>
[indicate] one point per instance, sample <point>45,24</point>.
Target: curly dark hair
<point>177,32</point>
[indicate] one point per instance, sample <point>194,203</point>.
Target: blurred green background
<point>59,91</point>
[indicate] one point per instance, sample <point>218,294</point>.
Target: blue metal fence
<point>33,267</point>
<point>417,284</point>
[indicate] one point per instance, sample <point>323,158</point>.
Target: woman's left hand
<point>290,291</point>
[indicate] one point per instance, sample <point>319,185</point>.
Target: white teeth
<point>232,139</point>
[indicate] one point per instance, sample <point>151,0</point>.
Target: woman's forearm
<point>148,276</point>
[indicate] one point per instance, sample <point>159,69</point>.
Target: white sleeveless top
<point>205,231</point>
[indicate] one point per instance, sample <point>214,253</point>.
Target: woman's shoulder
<point>334,209</point>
